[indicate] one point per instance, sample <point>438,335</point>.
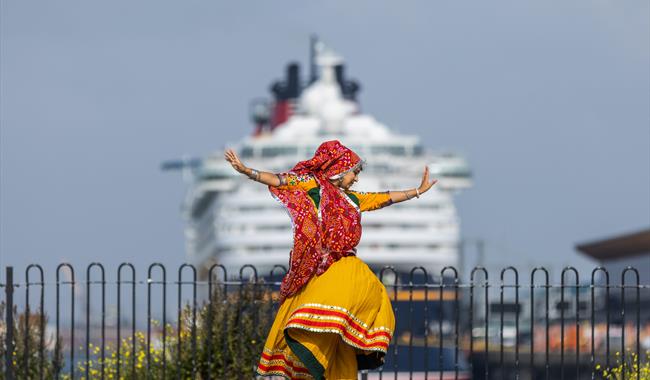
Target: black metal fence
<point>446,328</point>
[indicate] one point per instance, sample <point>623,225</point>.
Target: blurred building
<point>616,254</point>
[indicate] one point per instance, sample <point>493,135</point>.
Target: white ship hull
<point>234,221</point>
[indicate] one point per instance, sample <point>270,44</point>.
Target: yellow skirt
<point>340,322</point>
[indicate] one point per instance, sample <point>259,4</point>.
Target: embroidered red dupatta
<point>320,237</point>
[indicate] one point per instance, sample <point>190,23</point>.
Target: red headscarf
<point>324,236</point>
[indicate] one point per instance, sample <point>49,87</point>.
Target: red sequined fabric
<point>320,237</point>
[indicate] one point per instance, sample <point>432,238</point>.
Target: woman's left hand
<point>426,184</point>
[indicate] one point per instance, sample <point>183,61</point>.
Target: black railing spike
<point>179,313</point>
<point>638,321</point>
<point>58,343</point>
<point>592,358</point>
<point>118,344</point>
<point>41,317</point>
<point>471,317</point>
<point>546,320</point>
<point>150,282</point>
<point>102,316</point>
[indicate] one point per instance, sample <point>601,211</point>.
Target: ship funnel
<point>285,92</point>
<point>293,81</point>
<point>349,89</point>
<point>290,87</point>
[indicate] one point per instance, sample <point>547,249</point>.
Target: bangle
<point>255,175</point>
<point>417,193</point>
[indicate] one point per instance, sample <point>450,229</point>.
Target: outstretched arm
<point>266,178</point>
<point>404,195</point>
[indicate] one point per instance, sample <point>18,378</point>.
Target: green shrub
<point>630,369</point>
<point>226,343</point>
<point>27,346</point>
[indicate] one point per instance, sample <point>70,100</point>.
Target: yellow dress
<point>340,322</point>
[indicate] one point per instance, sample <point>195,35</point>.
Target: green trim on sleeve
<point>354,198</point>
<point>314,194</point>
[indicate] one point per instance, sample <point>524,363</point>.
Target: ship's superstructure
<point>234,221</point>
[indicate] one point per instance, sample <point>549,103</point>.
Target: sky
<point>548,100</point>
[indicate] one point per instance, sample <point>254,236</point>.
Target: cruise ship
<point>234,221</point>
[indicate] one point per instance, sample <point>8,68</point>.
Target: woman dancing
<point>335,316</point>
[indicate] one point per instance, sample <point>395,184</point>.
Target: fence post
<point>9,319</point>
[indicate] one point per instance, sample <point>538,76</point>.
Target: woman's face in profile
<point>349,179</point>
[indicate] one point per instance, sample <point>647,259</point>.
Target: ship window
<point>431,206</point>
<point>251,208</point>
<point>265,248</point>
<point>456,171</point>
<point>408,246</point>
<point>202,205</point>
<point>274,151</point>
<point>380,168</point>
<point>279,227</point>
<point>246,152</point>
<point>394,150</point>
<point>401,225</point>
<point>418,150</point>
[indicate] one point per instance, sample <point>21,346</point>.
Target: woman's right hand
<point>232,158</point>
